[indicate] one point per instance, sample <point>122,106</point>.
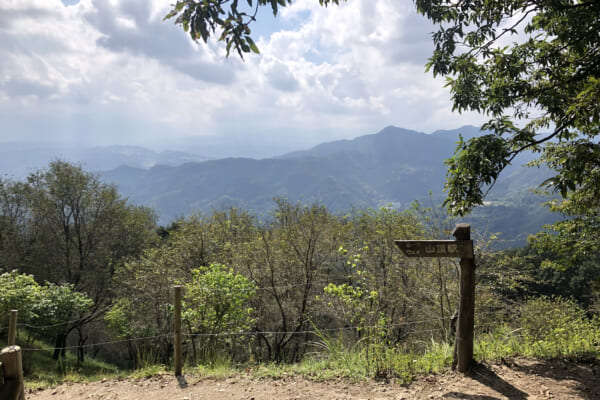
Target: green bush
<point>20,292</point>
<point>216,303</point>
<point>553,327</point>
<point>41,305</point>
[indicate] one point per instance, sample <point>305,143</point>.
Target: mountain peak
<point>391,129</point>
<point>467,132</point>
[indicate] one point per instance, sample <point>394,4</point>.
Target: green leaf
<point>253,46</point>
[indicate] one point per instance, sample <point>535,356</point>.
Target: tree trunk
<point>59,346</point>
<point>80,349</point>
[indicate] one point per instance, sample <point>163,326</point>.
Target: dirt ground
<point>512,379</point>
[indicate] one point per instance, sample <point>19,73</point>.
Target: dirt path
<point>517,379</point>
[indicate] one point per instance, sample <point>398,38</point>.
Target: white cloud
<point>360,67</point>
<point>113,71</point>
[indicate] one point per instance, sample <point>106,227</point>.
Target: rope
<point>314,331</point>
<point>51,326</point>
<point>102,343</point>
<point>251,333</point>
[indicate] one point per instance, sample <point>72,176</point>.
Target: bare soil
<point>516,379</point>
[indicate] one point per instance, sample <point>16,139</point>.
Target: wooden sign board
<point>436,248</point>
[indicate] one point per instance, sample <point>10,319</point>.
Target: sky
<point>99,72</point>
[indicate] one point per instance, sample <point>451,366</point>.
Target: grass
<point>547,328</point>
<point>355,364</point>
<point>42,371</point>
<point>217,369</point>
<point>349,364</point>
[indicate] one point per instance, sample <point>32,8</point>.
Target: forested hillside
<point>391,168</point>
<point>395,166</point>
<point>83,266</point>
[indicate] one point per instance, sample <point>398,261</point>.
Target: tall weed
<point>558,327</point>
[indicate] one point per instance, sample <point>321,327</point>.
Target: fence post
<point>12,327</point>
<point>177,332</point>
<point>466,307</point>
<point>12,363</point>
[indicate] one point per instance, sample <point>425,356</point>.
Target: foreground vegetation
<point>540,333</point>
<point>301,290</point>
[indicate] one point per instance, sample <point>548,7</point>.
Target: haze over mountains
<point>393,167</point>
<point>19,159</point>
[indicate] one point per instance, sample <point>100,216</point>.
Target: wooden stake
<point>466,308</point>
<point>13,388</point>
<point>12,327</point>
<point>177,332</point>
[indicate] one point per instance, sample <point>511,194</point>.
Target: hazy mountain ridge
<point>17,159</point>
<point>393,167</point>
<point>340,181</point>
<point>390,144</point>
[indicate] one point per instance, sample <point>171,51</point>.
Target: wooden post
<point>466,308</point>
<point>12,363</point>
<point>461,247</point>
<point>177,332</point>
<point>12,327</point>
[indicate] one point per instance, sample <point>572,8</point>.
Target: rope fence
<point>394,325</point>
<point>323,283</point>
<point>251,333</point>
<point>102,343</point>
<point>316,332</point>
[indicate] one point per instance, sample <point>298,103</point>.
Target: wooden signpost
<point>436,248</point>
<point>461,248</point>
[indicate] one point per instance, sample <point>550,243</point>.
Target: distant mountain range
<point>17,160</point>
<point>393,167</point>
